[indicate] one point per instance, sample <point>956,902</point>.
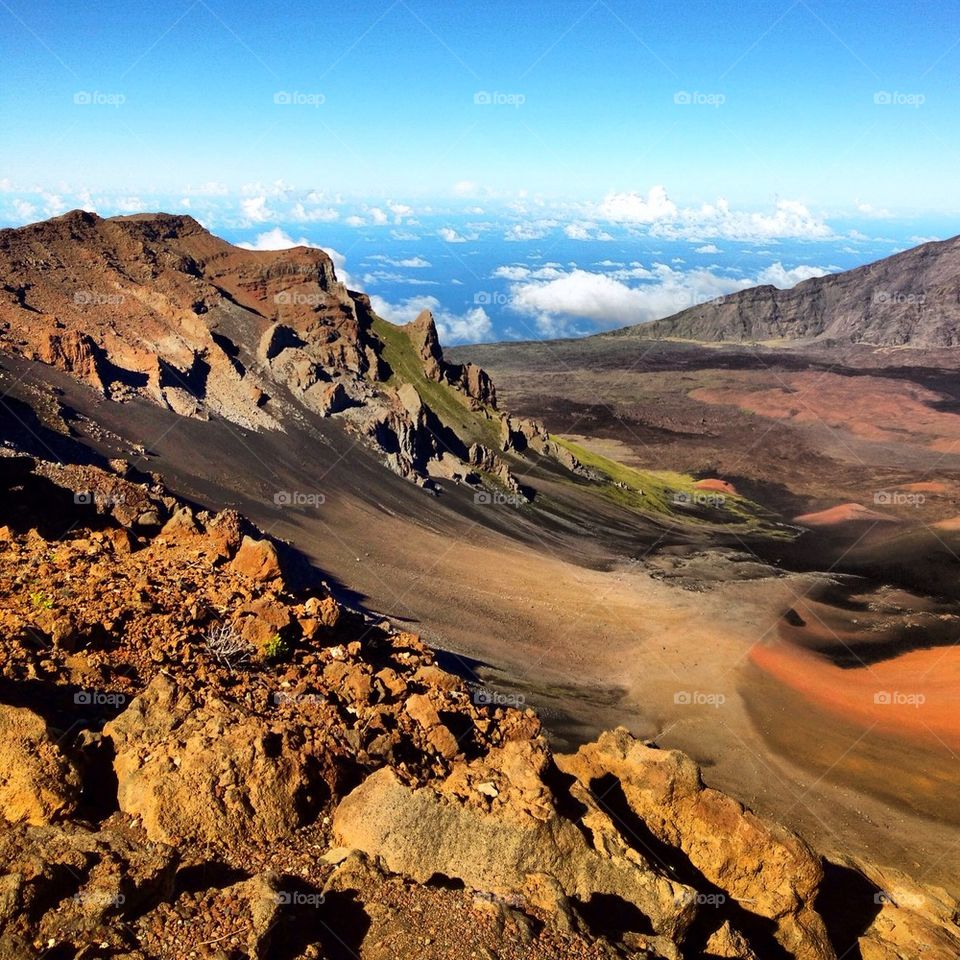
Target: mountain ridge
<point>911,298</point>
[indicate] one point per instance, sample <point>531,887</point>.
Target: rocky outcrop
<point>38,783</point>
<point>468,378</point>
<point>496,827</point>
<point>207,773</point>
<point>712,841</point>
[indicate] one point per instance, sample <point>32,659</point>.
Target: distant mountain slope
<point>911,298</point>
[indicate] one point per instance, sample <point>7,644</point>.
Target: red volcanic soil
<point>952,524</point>
<point>714,483</point>
<point>872,408</point>
<point>928,486</point>
<point>843,513</point>
<point>913,696</point>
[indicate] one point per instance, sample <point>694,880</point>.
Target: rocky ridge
<point>153,306</point>
<point>909,299</point>
<point>208,755</point>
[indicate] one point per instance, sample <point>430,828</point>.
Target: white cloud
<point>869,210</point>
<point>255,209</point>
<point>23,209</point>
<point>584,230</point>
<point>302,214</point>
<point>472,326</point>
<point>415,263</point>
<point>400,210</point>
<point>779,276</point>
<point>354,221</point>
<point>708,248</point>
<point>633,208</point>
<point>535,230</point>
<point>449,235</point>
<point>665,219</point>
<point>130,205</point>
<point>606,301</point>
<point>377,215</point>
<point>275,239</point>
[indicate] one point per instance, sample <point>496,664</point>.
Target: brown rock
<point>38,783</point>
<point>207,771</point>
<point>258,560</point>
<point>770,871</point>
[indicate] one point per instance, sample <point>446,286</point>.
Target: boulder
<point>423,831</point>
<point>714,843</point>
<point>208,771</point>
<point>38,783</point>
<point>258,560</point>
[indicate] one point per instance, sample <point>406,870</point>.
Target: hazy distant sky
<point>835,105</point>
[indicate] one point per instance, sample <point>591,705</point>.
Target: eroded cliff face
<point>155,306</point>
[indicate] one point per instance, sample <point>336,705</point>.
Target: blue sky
<point>491,127</point>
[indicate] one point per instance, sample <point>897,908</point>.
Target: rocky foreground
<point>204,754</point>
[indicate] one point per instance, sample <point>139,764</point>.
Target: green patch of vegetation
<point>443,400</point>
<point>670,494</point>
<point>41,601</point>
<point>275,648</point>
